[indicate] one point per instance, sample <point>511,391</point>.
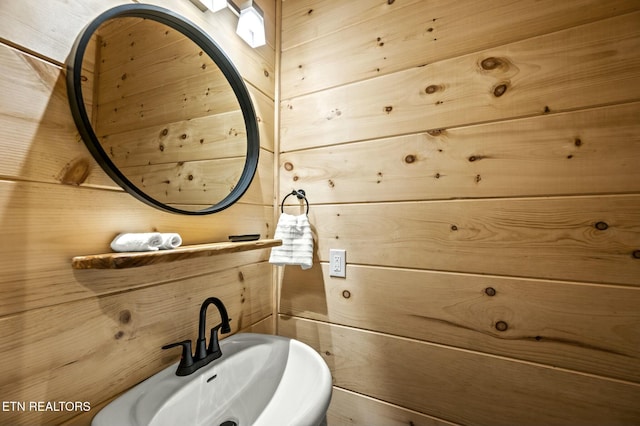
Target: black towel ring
<point>301,196</point>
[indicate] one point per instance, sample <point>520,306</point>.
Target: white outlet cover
<point>337,263</point>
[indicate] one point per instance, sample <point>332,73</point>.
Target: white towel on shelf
<point>144,241</point>
<point>297,241</point>
<point>170,240</point>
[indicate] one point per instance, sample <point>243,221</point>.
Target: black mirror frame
<point>209,46</point>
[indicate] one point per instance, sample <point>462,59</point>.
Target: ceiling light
<point>212,5</point>
<point>251,25</point>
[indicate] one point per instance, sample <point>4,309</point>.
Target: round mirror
<point>163,110</point>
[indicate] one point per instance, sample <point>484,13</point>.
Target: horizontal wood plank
<point>381,38</point>
<point>205,138</point>
<point>116,340</point>
<point>350,408</point>
<point>590,239</point>
<point>585,152</point>
<point>589,328</point>
<point>463,386</point>
<point>203,183</point>
<point>306,20</point>
<point>557,72</point>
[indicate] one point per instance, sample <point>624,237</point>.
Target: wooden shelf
<point>143,258</point>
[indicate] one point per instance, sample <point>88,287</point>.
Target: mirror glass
<point>166,113</point>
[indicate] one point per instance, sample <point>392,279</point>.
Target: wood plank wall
<point>88,335</point>
<point>478,162</point>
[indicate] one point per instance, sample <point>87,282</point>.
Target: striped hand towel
<point>297,242</point>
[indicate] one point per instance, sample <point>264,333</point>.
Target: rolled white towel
<point>144,241</point>
<point>170,240</point>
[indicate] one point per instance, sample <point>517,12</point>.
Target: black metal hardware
<point>203,356</point>
<point>186,361</point>
<point>301,196</point>
<point>210,48</point>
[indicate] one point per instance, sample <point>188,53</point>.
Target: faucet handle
<point>186,360</point>
<point>214,344</point>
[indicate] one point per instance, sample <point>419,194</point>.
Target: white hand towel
<point>145,241</point>
<point>297,242</point>
<point>170,241</point>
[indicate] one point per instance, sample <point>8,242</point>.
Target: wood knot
<point>601,226</point>
<point>577,142</point>
<point>391,1</point>
<point>334,113</point>
<point>331,183</point>
<point>310,11</point>
<point>346,294</point>
<point>266,73</point>
<point>547,109</point>
<point>490,291</point>
<point>388,109</point>
<point>431,89</point>
<point>435,132</point>
<point>295,178</point>
<point>124,317</point>
<point>500,90</point>
<point>288,166</point>
<point>161,147</point>
<point>409,158</point>
<point>75,172</point>
<point>454,228</point>
<point>119,335</point>
<point>491,63</point>
<point>164,132</point>
<point>502,326</point>
<point>636,254</point>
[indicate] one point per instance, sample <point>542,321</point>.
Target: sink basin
<point>260,380</point>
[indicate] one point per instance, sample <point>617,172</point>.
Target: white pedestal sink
<point>260,380</point>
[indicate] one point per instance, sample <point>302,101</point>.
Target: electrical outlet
<point>337,263</point>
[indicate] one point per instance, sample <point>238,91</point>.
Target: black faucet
<point>190,363</point>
